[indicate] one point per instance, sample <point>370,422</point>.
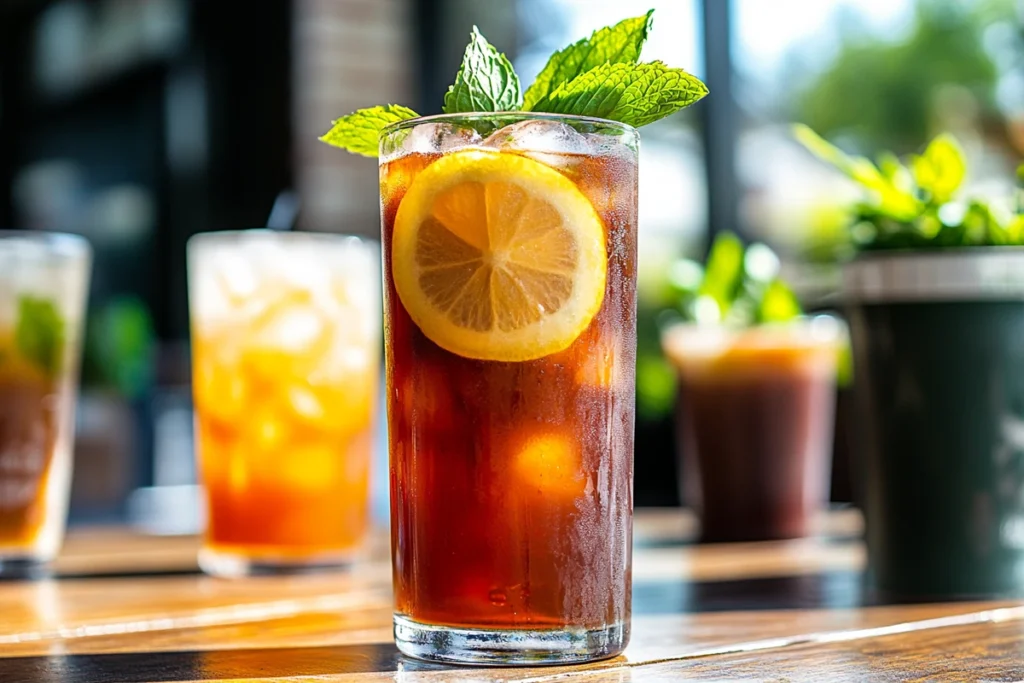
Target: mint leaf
<point>1015,230</point>
<point>941,169</point>
<point>635,94</point>
<point>723,273</point>
<point>887,190</point>
<point>844,364</point>
<point>485,82</point>
<point>359,132</point>
<point>1020,189</point>
<point>39,333</point>
<point>616,44</point>
<point>778,304</point>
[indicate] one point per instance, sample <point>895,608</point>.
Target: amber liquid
<point>758,424</point>
<point>284,459</point>
<point>29,423</point>
<point>511,483</point>
<point>270,510</point>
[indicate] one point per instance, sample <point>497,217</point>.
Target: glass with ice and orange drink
<point>285,348</point>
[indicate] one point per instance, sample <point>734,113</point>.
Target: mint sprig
<point>359,132</point>
<point>637,94</point>
<point>39,333</point>
<point>616,44</point>
<point>941,170</point>
<point>485,82</point>
<point>599,76</point>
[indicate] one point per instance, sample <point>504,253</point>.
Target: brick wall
<point>348,54</point>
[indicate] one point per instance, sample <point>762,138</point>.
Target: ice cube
<point>295,329</point>
<point>548,463</point>
<point>434,138</point>
<point>235,275</point>
<point>305,404</point>
<point>599,369</point>
<point>301,267</point>
<point>266,431</point>
<point>222,282</point>
<point>551,142</point>
<point>220,390</point>
<point>311,466</point>
<point>604,145</point>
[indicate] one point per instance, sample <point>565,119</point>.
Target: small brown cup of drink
<point>755,412</point>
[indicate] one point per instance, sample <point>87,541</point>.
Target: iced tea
<point>756,410</point>
<point>510,420</point>
<point>43,285</point>
<point>286,334</point>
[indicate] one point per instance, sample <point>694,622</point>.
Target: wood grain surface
<point>136,609</point>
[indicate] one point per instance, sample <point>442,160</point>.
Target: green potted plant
<point>756,397</point>
<point>935,301</point>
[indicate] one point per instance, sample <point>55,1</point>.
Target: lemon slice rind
<point>553,331</point>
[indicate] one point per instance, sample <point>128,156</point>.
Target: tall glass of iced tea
<point>510,332</point>
<point>44,279</point>
<point>286,364</point>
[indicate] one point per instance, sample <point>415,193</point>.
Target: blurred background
<point>138,123</point>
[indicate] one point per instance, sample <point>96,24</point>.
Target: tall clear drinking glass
<point>44,280</point>
<point>286,365</point>
<point>509,247</point>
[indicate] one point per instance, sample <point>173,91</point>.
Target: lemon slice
<point>498,257</point>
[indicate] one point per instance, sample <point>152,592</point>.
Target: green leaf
<point>618,44</point>
<point>1020,189</point>
<point>895,172</point>
<point>655,386</point>
<point>778,304</point>
<point>723,273</point>
<point>635,94</point>
<point>888,196</point>
<point>485,82</point>
<point>941,169</point>
<point>39,333</point>
<point>1015,230</point>
<point>359,132</point>
<point>120,342</point>
<point>844,364</point>
<point>981,227</point>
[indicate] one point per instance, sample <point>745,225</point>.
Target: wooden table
<point>132,608</point>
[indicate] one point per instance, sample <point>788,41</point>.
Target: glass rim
<point>214,236</point>
<point>484,115</point>
<point>58,243</point>
<point>816,329</point>
<point>972,273</point>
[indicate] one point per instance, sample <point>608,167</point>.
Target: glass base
<point>234,565</point>
<point>508,647</point>
<point>19,568</point>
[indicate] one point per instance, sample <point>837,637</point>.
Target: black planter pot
<point>938,343</point>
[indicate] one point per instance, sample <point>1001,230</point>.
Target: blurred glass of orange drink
<point>286,365</point>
